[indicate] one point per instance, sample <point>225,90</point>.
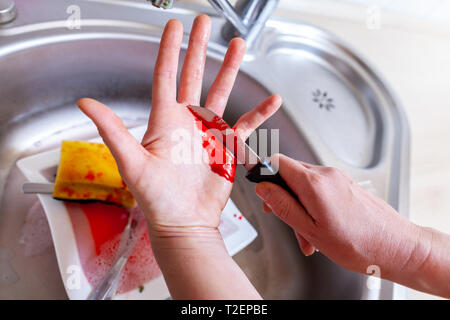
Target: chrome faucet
<point>246,20</point>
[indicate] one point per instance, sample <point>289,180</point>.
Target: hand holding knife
<point>258,170</point>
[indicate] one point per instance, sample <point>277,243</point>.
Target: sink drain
<point>322,99</point>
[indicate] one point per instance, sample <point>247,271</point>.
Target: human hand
<point>179,199</point>
<point>344,221</point>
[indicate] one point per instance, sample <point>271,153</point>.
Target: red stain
<point>99,174</point>
<point>105,221</point>
<point>90,175</point>
<point>240,217</point>
<point>224,163</point>
<point>69,191</point>
<point>114,198</point>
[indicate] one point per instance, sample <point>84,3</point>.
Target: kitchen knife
<point>258,170</point>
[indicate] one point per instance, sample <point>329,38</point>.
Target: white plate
<point>235,229</point>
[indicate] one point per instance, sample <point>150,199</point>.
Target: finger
<point>285,207</point>
<point>295,173</point>
<point>165,74</point>
<point>127,151</point>
<point>251,120</point>
<point>307,248</point>
<point>194,63</point>
<point>307,165</point>
<point>221,88</point>
<point>266,208</point>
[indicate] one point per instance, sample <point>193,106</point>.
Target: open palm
<point>177,197</point>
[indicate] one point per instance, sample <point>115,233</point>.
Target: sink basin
<point>336,112</point>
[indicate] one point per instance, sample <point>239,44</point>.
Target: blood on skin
<point>224,166</point>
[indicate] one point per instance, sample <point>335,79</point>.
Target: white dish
<point>235,229</point>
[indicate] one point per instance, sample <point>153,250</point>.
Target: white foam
<point>36,236</point>
<point>140,268</point>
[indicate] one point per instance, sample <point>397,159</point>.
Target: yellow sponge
<point>88,171</point>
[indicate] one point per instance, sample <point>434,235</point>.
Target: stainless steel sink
<point>336,112</point>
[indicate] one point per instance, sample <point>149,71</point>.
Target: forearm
<point>198,266</point>
<point>426,264</point>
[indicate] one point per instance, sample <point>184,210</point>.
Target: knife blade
<point>258,170</point>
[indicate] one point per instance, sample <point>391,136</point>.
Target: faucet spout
<point>245,20</point>
<point>225,8</point>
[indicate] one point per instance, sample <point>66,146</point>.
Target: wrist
<point>196,265</point>
<point>412,254</point>
<point>430,269</point>
<point>188,238</point>
<point>420,261</point>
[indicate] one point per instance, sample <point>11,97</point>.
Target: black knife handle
<point>255,175</point>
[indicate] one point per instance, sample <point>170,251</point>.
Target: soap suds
<point>141,266</point>
<point>36,236</point>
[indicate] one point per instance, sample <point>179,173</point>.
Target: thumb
<point>126,150</point>
<point>285,207</point>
